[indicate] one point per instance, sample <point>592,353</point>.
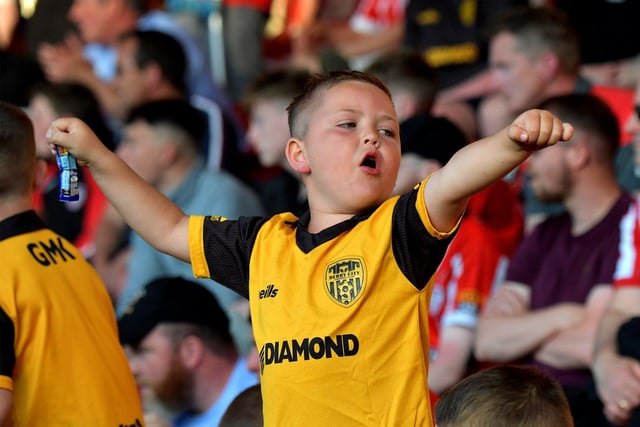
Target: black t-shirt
<point>608,30</point>
<point>449,34</point>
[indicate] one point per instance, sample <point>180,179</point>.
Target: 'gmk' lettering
<point>46,254</point>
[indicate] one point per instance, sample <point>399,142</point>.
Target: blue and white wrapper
<point>69,185</point>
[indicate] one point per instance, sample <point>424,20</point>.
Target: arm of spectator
<point>351,43</point>
<point>6,406</point>
<point>305,17</point>
<point>504,327</point>
<point>573,347</point>
<point>628,73</point>
<point>617,378</point>
<point>9,17</point>
<point>621,72</point>
<point>339,35</point>
<point>450,365</point>
<point>65,63</point>
<point>605,73</point>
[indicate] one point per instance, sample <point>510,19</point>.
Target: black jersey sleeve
<point>7,352</point>
<point>228,246</point>
<point>417,252</point>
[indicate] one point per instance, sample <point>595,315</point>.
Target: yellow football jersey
<point>340,317</point>
<point>59,347</point>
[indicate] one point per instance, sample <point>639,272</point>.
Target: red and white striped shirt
<point>628,266</point>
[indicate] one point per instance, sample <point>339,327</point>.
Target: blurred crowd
<point>193,96</point>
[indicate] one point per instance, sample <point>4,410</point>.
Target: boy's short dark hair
<point>17,151</point>
<point>318,82</point>
<point>505,396</point>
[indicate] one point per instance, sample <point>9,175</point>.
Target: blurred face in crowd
<point>520,77</point>
<point>159,371</point>
<point>550,172</point>
<point>129,81</point>
<point>95,19</point>
<point>147,150</point>
<point>269,131</point>
<point>42,114</point>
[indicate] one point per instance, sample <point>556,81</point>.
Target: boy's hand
<point>536,129</point>
<point>74,135</point>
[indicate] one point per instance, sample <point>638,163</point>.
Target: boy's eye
<point>347,125</point>
<point>387,132</point>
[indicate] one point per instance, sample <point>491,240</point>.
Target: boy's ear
<point>40,173</point>
<point>296,156</point>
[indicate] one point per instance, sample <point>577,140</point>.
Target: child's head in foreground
<point>17,152</point>
<point>504,396</point>
<point>344,140</point>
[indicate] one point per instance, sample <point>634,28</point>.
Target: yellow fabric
<point>342,333</point>
<point>70,368</point>
<point>387,382</point>
<point>196,246</point>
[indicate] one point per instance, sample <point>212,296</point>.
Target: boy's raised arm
<point>154,217</point>
<point>484,162</point>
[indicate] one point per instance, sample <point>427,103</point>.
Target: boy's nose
<point>371,140</point>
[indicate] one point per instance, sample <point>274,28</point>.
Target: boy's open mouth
<point>370,161</point>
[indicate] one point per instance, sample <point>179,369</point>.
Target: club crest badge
<point>345,280</point>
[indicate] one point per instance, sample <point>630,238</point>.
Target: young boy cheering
<point>339,297</point>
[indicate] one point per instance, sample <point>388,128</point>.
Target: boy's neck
<point>321,221</point>
<point>317,222</point>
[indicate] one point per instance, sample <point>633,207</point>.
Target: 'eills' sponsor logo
<point>270,292</point>
<point>308,348</point>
